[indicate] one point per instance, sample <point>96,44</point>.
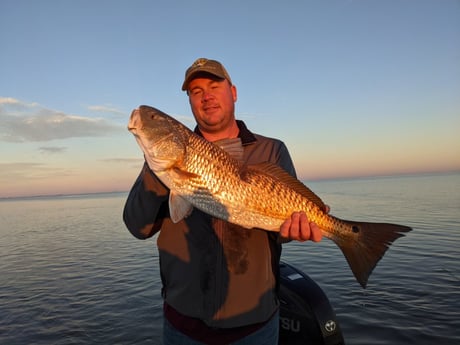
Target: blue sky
<point>353,87</point>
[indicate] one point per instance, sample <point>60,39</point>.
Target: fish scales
<point>255,201</point>
<point>202,175</point>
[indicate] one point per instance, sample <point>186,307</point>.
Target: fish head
<point>161,138</point>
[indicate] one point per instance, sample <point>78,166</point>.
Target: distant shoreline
<point>63,196</point>
<point>372,177</point>
<point>304,180</point>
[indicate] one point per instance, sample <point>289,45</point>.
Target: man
<point>220,281</point>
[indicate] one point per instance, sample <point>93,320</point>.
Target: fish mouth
<point>134,121</point>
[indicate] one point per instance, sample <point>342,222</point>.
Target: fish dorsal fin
<point>284,177</point>
<point>179,208</point>
<point>233,147</point>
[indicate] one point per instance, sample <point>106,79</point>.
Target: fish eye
<point>355,229</point>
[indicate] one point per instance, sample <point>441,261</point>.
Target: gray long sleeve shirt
<point>212,270</point>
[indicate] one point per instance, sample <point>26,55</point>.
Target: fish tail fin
<point>372,241</point>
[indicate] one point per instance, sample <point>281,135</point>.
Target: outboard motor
<point>306,316</point>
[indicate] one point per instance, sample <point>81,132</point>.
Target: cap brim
<point>202,72</point>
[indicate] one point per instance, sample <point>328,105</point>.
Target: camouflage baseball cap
<point>203,65</point>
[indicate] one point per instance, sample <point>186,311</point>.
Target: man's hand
<point>299,228</point>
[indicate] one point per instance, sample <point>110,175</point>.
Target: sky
<point>353,87</point>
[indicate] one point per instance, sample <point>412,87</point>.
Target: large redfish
<point>203,175</point>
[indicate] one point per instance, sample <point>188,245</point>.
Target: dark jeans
<point>267,335</point>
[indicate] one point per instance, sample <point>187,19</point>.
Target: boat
<point>306,315</point>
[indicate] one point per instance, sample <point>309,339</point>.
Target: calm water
<point>70,273</point>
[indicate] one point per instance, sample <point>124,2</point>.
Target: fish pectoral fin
<point>179,208</point>
<point>179,174</point>
<point>283,176</point>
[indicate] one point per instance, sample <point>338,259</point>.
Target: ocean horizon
<point>305,181</point>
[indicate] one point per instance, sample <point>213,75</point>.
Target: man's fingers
<point>298,227</point>
<point>304,231</point>
<point>316,234</point>
<point>284,229</point>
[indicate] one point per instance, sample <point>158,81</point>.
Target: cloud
<point>107,109</point>
<point>21,122</point>
<point>30,171</point>
<point>52,149</point>
<point>8,100</point>
<point>122,160</point>
<point>131,162</point>
<point>13,103</point>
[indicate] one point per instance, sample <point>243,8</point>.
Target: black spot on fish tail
<point>372,241</point>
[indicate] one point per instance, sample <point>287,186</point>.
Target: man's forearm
<point>143,208</point>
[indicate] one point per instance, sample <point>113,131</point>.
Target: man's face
<point>213,103</point>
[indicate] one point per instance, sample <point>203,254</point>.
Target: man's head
<point>212,98</point>
<point>204,67</point>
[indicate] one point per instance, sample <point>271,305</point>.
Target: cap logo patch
<point>200,62</point>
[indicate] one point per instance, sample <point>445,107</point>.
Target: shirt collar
<point>246,136</point>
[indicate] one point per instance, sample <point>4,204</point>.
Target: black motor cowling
<point>306,316</point>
